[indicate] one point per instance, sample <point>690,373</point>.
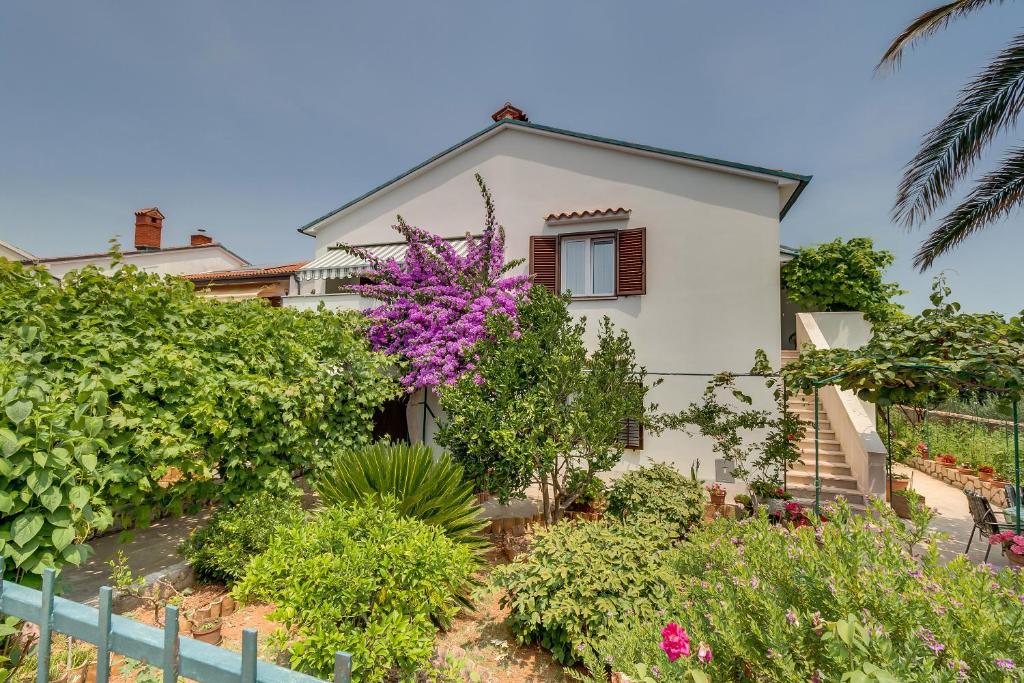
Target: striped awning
<point>338,263</point>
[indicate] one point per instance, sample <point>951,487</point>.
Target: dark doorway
<point>389,422</point>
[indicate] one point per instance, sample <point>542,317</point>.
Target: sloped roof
<point>728,166</point>
<point>588,214</point>
<point>246,273</point>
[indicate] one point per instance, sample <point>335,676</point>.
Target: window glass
<point>574,266</point>
<point>603,260</point>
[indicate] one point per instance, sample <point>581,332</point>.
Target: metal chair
<point>1011,495</point>
<point>985,521</point>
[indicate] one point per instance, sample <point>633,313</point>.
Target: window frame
<point>639,435</point>
<point>590,236</point>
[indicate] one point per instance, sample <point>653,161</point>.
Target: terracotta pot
<point>900,484</point>
<point>984,476</point>
<point>718,498</point>
<point>201,615</point>
<point>209,633</point>
<point>1013,558</point>
<point>80,674</point>
<point>901,506</point>
<point>215,608</point>
<point>184,624</point>
<point>966,470</point>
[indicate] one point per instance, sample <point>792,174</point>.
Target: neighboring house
<point>201,254</point>
<point>270,283</point>
<point>13,253</point>
<point>680,250</point>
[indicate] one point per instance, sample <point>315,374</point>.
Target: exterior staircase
<point>837,480</point>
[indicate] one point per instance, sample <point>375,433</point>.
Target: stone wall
<point>995,492</point>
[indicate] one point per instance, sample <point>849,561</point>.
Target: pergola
<point>905,380</point>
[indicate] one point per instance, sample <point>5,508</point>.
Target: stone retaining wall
<point>995,493</point>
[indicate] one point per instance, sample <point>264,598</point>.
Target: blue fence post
<point>170,663</point>
<point>103,647</point>
<point>249,655</point>
<point>45,627</point>
<point>342,667</point>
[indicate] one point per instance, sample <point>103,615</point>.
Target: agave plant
<point>429,489</point>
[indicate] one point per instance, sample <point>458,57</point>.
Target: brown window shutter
<point>631,435</point>
<point>631,266</point>
<point>544,261</point>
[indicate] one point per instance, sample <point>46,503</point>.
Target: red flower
<point>675,642</point>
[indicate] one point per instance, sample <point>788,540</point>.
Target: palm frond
<point>925,25</point>
<point>990,104</point>
<point>995,195</point>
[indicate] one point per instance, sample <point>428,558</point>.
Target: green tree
<point>538,409</point>
<point>988,105</point>
<point>842,276</point>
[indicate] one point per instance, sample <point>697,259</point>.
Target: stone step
<point>807,467</point>
<point>823,426</point>
<point>807,455</point>
<point>805,494</point>
<point>823,444</point>
<point>831,481</point>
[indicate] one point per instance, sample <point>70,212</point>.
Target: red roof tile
<point>583,215</point>
<point>242,273</point>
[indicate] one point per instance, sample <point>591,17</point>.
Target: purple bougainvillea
<point>435,302</point>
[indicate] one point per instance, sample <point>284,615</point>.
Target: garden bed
<point>994,491</point>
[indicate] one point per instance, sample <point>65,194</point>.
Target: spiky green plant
<point>428,489</point>
<point>988,106</point>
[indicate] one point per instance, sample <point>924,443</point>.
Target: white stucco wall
<point>712,251</point>
<point>171,262</point>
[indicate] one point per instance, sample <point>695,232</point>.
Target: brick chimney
<point>199,238</point>
<point>509,112</point>
<point>148,224</point>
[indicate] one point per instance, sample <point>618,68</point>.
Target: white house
<point>681,250</point>
<point>202,254</point>
<point>13,253</point>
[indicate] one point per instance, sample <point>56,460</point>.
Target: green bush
<point>365,580</point>
<point>109,381</point>
<point>579,578</point>
<point>221,550</point>
<point>424,488</point>
<point>842,276</point>
<point>658,491</point>
<point>782,604</point>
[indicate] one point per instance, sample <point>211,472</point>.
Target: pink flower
<point>675,642</point>
<point>704,653</point>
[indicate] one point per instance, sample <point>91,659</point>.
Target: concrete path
<point>953,517</point>
<point>148,550</point>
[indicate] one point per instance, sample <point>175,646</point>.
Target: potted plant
<point>208,631</point>
<point>900,482</point>
<point>986,472</point>
<point>966,468</point>
<point>946,460</point>
<point>1013,546</point>
<point>773,495</point>
<point>922,451</point>
<point>717,492</point>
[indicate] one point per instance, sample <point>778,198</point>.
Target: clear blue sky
<point>251,118</point>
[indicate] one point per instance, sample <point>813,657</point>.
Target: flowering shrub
<point>1011,540</point>
<point>580,578</point>
<point>778,603</point>
<point>436,301</point>
<point>986,469</point>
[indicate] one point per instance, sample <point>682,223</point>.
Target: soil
<point>479,646</point>
<point>483,647</point>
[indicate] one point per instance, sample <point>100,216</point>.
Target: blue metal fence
<point>164,648</point>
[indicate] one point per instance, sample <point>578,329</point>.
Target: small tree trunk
<point>545,499</point>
